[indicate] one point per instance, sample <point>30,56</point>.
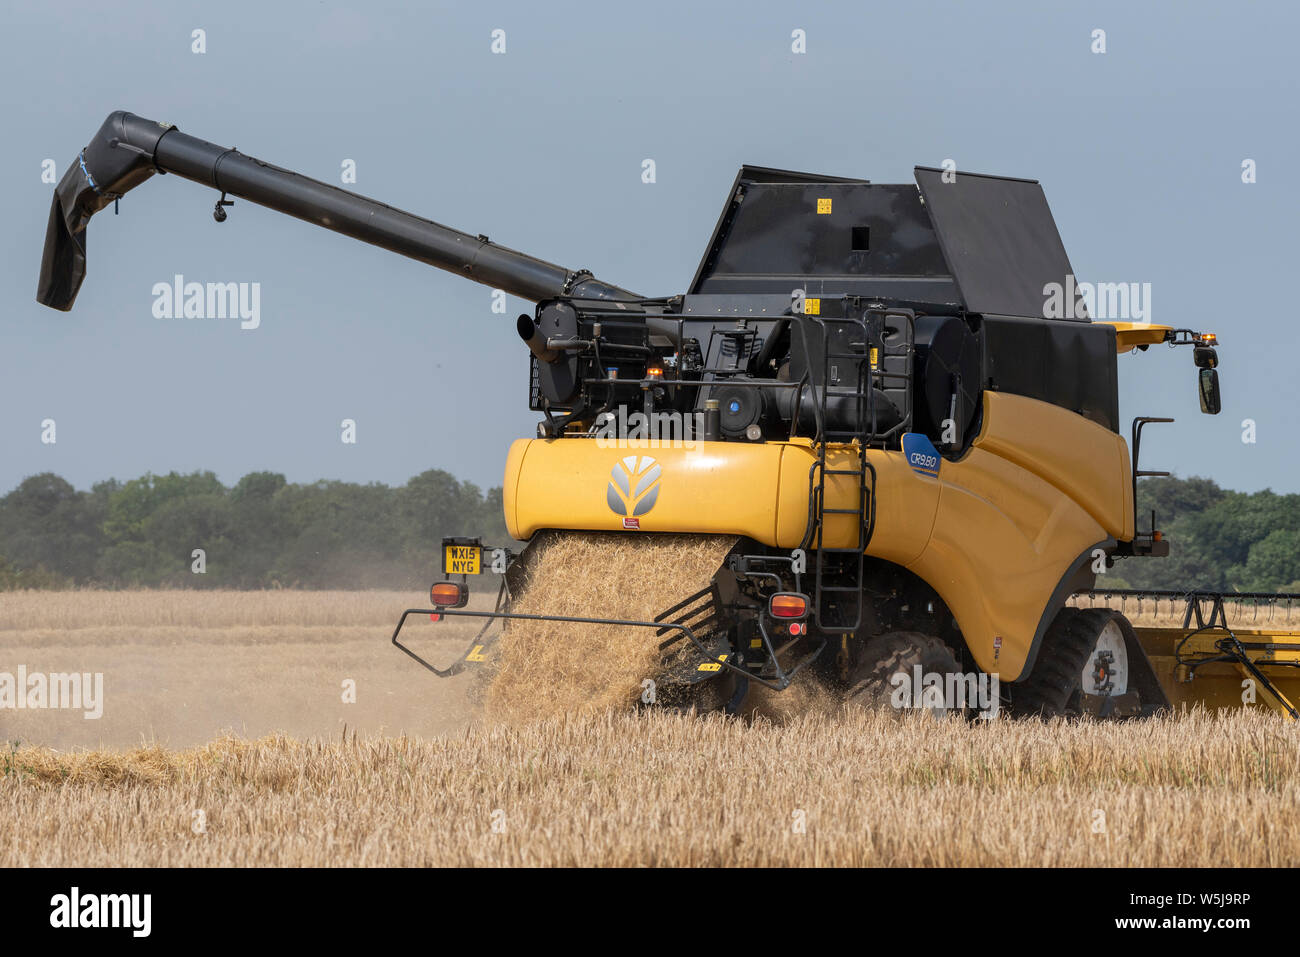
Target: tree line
<point>1219,539</point>
<point>266,532</point>
<point>262,532</point>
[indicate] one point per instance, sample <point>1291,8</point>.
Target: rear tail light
<point>449,594</point>
<point>788,605</point>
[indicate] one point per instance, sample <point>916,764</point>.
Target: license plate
<point>461,559</point>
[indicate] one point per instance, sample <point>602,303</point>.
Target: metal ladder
<point>861,394</point>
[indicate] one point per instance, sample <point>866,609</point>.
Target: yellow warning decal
<point>756,642</point>
<point>875,356</point>
<point>812,307</point>
<point>476,654</point>
<point>712,665</point>
<point>823,206</point>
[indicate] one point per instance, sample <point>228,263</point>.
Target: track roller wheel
<point>896,652</point>
<point>1089,663</point>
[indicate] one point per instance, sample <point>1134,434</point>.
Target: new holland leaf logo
<point>633,488</point>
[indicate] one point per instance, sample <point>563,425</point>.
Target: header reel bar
<point>1196,600</point>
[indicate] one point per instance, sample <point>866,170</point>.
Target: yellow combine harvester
<point>867,391</point>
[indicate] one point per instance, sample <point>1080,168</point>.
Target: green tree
<point>130,506</point>
<point>259,529</point>
<point>1177,503</point>
<point>46,522</point>
<point>1225,533</point>
<point>1274,562</point>
<point>13,578</point>
<point>205,521</point>
<point>1174,498</point>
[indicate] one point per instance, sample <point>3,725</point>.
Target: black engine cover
<point>558,380</point>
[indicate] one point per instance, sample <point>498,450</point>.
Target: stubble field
<point>226,740</point>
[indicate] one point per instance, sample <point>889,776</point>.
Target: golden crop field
<point>225,740</point>
<point>181,667</point>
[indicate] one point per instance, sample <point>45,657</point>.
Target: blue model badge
<point>921,454</point>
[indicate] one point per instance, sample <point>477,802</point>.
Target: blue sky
<point>1139,150</point>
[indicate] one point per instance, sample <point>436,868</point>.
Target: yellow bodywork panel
<point>731,488</point>
<point>1003,539</point>
<point>759,490</point>
<point>1131,334</point>
<point>1086,461</point>
<point>994,534</point>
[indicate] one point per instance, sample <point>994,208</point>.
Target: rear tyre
<point>872,683</point>
<point>1086,665</point>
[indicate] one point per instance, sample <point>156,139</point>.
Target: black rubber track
<point>1053,687</point>
<point>884,656</point>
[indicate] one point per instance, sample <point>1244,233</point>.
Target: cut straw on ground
<point>657,789</point>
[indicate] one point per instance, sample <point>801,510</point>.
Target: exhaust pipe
<point>534,339</point>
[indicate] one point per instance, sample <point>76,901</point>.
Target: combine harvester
<point>916,464</point>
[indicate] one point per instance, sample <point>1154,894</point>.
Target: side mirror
<point>1209,388</point>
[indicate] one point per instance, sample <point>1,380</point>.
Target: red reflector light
<point>448,594</point>
<point>796,628</point>
<point>787,605</point>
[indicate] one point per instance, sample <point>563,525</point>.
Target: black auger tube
<point>127,150</point>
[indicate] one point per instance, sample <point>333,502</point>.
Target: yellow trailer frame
<point>1221,667</point>
<point>1210,662</point>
